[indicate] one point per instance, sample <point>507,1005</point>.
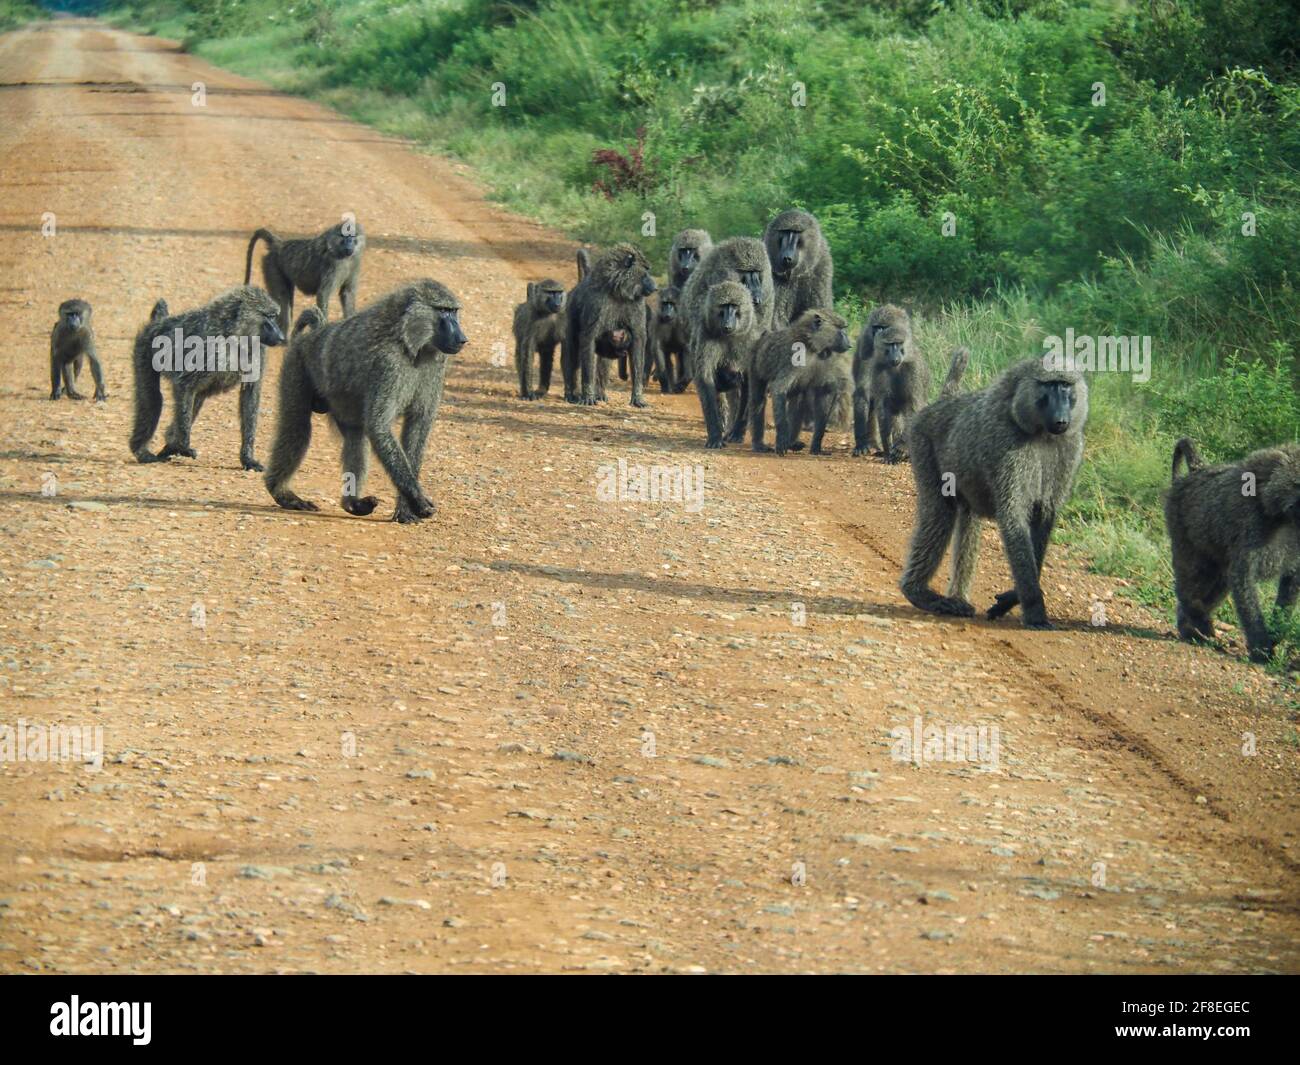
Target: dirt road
<point>543,731</point>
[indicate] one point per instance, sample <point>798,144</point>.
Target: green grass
<point>16,12</point>
<point>1169,210</point>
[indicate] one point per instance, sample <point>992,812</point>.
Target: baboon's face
<point>891,343</point>
<point>839,342</point>
<point>688,259</point>
<point>552,300</point>
<point>343,242</point>
<point>667,309</point>
<point>268,326</point>
<point>753,280</point>
<point>73,318</point>
<point>727,317</point>
<point>449,337</point>
<point>789,245</point>
<point>1055,403</point>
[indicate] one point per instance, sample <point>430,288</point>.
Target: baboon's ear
<point>416,327</point>
<point>532,289</point>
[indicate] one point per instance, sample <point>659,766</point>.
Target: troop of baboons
<point>746,320</point>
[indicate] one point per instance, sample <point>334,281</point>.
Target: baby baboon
<point>389,360</point>
<point>72,342</point>
<point>804,366</point>
<point>1008,452</point>
<point>722,344</point>
<point>688,250</point>
<point>539,327</point>
<point>1230,527</point>
<point>609,297</point>
<point>319,266</point>
<point>670,341</point>
<point>801,265</point>
<point>203,352</point>
<point>742,259</point>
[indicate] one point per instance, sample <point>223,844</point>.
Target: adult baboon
<point>203,352</point>
<point>72,342</point>
<point>803,366</point>
<point>801,265</point>
<point>319,266</point>
<point>389,360</point>
<point>688,251</point>
<point>722,342</point>
<point>1230,527</point>
<point>539,328</point>
<point>1008,452</point>
<point>609,297</point>
<point>613,343</point>
<point>670,341</point>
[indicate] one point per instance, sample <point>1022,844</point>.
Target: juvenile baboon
<point>688,251</point>
<point>203,352</point>
<point>319,266</point>
<point>1008,452</point>
<point>805,367</point>
<point>539,328</point>
<point>1230,527</point>
<point>609,297</point>
<point>866,426</point>
<point>742,259</point>
<point>670,341</point>
<point>72,342</point>
<point>899,381</point>
<point>389,360</point>
<point>801,265</point>
<point>722,343</point>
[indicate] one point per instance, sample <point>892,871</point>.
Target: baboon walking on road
<point>539,328</point>
<point>802,272</point>
<point>1008,452</point>
<point>319,266</point>
<point>203,352</point>
<point>609,297</point>
<point>1230,527</point>
<point>722,342</point>
<point>670,341</point>
<point>72,342</point>
<point>805,367</point>
<point>366,371</point>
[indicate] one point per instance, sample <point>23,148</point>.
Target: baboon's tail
<point>311,318</point>
<point>956,368</point>
<point>584,263</point>
<point>148,392</point>
<point>1185,451</point>
<point>271,241</point>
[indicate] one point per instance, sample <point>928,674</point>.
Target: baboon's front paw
<point>957,608</point>
<point>75,395</point>
<point>894,457</point>
<point>360,507</point>
<point>571,397</point>
<point>404,515</point>
<point>534,394</point>
<point>54,395</point>
<point>858,452</point>
<point>423,506</point>
<point>763,449</point>
<point>1038,623</point>
<point>588,401</point>
<point>251,464</point>
<point>680,386</point>
<point>289,501</point>
<point>714,443</point>
<point>100,397</point>
<point>799,445</point>
<point>1003,603</point>
<point>816,449</point>
<point>637,401</point>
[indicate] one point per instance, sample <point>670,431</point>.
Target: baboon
<point>722,343</point>
<point>72,343</point>
<point>1230,527</point>
<point>319,266</point>
<point>539,328</point>
<point>688,251</point>
<point>742,259</point>
<point>203,352</point>
<point>613,343</point>
<point>389,360</point>
<point>609,297</point>
<point>803,366</point>
<point>866,424</point>
<point>670,341</point>
<point>898,381</point>
<point>1008,452</point>
<point>801,265</point>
